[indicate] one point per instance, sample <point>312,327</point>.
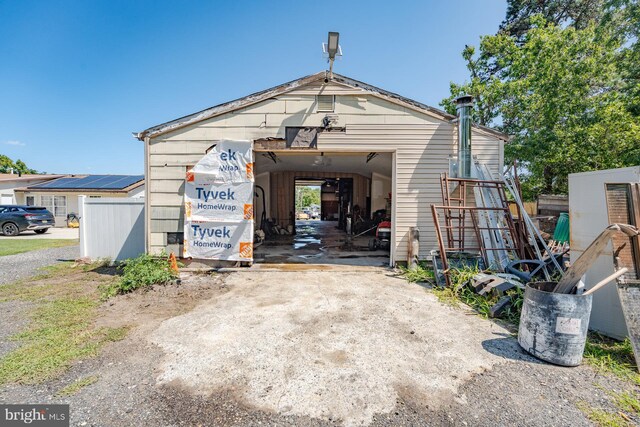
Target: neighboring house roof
<point>292,85</point>
<point>90,183</point>
<point>6,177</point>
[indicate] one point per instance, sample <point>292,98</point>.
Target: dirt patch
<point>146,308</point>
<point>61,280</point>
<point>222,408</point>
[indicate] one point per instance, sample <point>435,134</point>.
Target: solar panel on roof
<point>92,182</point>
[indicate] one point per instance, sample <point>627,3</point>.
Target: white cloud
<point>16,143</point>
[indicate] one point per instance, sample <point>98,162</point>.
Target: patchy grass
<point>145,270</point>
<point>604,418</point>
<point>626,414</point>
<point>67,267</point>
<point>77,385</point>
<point>57,269</point>
<point>421,274</point>
<point>447,296</point>
<point>628,402</point>
<point>460,292</point>
<point>609,355</point>
<point>37,287</point>
<point>18,246</point>
<point>46,285</point>
<point>62,330</point>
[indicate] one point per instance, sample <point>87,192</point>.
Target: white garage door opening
<point>323,208</point>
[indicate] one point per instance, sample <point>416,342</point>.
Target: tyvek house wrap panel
<point>228,161</point>
<point>224,202</point>
<point>219,204</point>
<point>231,241</point>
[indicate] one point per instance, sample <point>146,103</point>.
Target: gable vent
<point>326,102</point>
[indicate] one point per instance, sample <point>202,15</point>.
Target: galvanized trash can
<point>553,326</point>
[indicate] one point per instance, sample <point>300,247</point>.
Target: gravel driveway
<point>314,347</point>
<point>52,233</point>
<point>14,267</point>
<point>324,345</point>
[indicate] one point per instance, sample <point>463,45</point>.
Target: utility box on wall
<point>588,217</point>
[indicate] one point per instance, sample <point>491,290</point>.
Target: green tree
<point>485,68</point>
<point>7,165</point>
<point>307,196</point>
<point>561,92</point>
<point>624,16</point>
<point>576,13</point>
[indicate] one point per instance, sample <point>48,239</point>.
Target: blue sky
<point>77,77</point>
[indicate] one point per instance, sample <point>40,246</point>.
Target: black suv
<point>15,219</point>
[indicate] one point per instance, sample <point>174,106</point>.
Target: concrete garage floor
<point>319,242</point>
<point>338,345</point>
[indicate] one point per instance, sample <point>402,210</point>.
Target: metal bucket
<point>553,326</point>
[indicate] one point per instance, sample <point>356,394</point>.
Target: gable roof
<point>6,177</point>
<point>111,183</point>
<point>295,84</point>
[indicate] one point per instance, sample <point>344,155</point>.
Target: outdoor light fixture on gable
<point>332,49</point>
<point>332,44</point>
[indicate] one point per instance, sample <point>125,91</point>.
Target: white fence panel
<point>111,227</point>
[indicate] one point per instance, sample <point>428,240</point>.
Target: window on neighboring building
<point>31,200</point>
<point>47,202</point>
<point>60,206</point>
<point>57,205</point>
<point>326,103</point>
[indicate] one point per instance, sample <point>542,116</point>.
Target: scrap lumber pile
<point>476,228</point>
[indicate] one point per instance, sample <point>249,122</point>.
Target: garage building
<point>330,130</point>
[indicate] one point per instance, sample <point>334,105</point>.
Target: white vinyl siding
<point>421,143</point>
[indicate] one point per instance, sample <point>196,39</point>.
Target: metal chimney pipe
<point>464,104</point>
